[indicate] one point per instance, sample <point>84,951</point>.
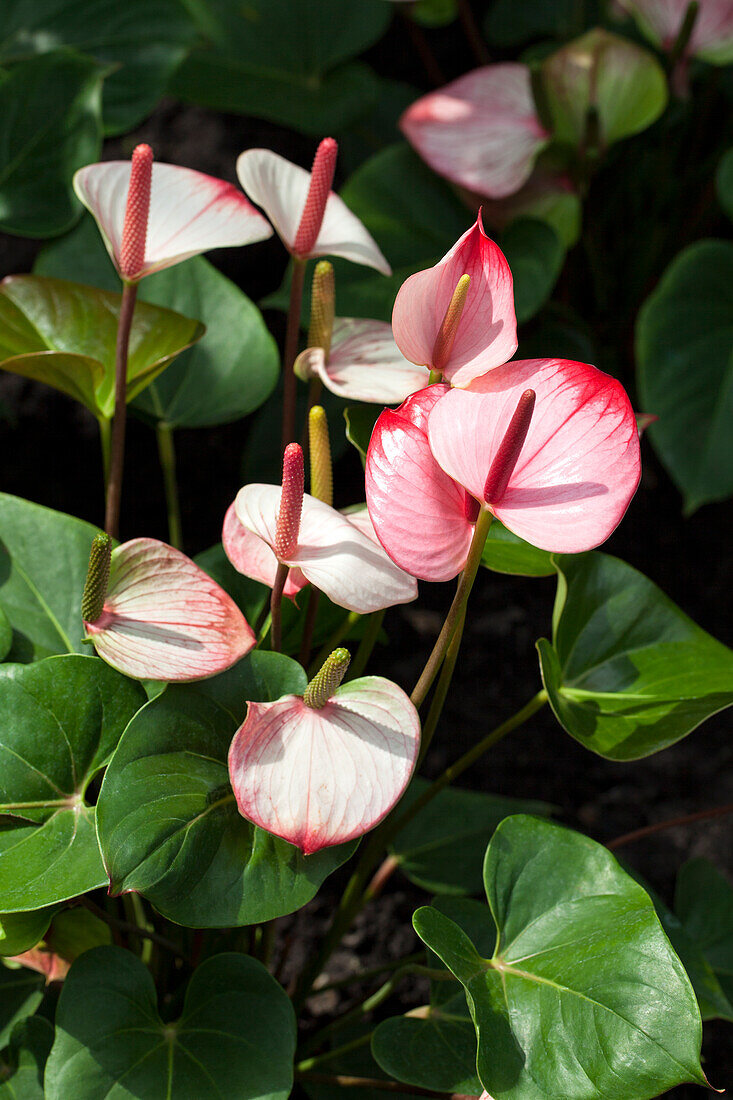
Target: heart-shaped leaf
<point>536,255</point>
<point>140,42</point>
<point>22,1074</point>
<point>64,334</point>
<point>360,421</point>
<point>43,566</point>
<point>704,904</point>
<point>227,374</point>
<point>21,931</point>
<point>235,1037</point>
<point>580,955</point>
<point>60,721</point>
<point>505,552</point>
<point>442,849</point>
<point>6,635</point>
<point>49,126</point>
<point>169,825</point>
<point>628,673</point>
<point>21,992</point>
<point>684,356</point>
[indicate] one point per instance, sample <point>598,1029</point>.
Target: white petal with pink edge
<point>487,331</point>
<point>165,619</point>
<point>712,31</point>
<point>253,557</point>
<point>280,188</point>
<point>364,364</point>
<point>322,777</point>
<point>579,466</point>
<point>190,212</point>
<point>481,131</point>
<point>332,554</point>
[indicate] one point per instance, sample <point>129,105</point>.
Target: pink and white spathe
<point>364,364</point>
<point>184,212</point>
<point>712,32</point>
<point>324,772</point>
<point>309,218</point>
<point>164,619</point>
<point>481,131</point>
<point>253,557</point>
<point>484,330</point>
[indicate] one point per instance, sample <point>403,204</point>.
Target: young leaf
<point>627,672</point>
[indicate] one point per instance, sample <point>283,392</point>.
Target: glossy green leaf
<point>580,955</point>
<point>704,904</point>
<point>724,183</point>
<point>22,1074</point>
<point>234,1039</point>
<point>360,421</point>
<point>505,552</point>
<point>684,355</point>
<point>21,992</point>
<point>76,930</point>
<point>628,673</point>
<point>227,374</point>
<point>535,254</point>
<point>6,635</point>
<point>64,334</point>
<point>49,126</point>
<point>168,823</point>
<point>622,82</point>
<point>442,848</point>
<point>60,721</point>
<point>140,43</point>
<point>284,60</point>
<point>43,567</point>
<point>21,931</point>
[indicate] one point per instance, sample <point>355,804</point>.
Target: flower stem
<point>441,691</point>
<point>364,652</point>
<point>117,447</point>
<point>167,456</point>
<point>290,384</point>
<point>457,608</point>
<point>309,1063</point>
<point>276,638</point>
<point>105,439</point>
<point>670,823</point>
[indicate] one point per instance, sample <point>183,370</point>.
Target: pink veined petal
<point>332,554</point>
<point>280,188</point>
<point>712,33</point>
<point>323,777</point>
<point>53,967</point>
<point>359,517</point>
<point>579,466</point>
<point>365,364</point>
<point>417,510</point>
<point>253,557</point>
<point>487,331</point>
<point>189,212</point>
<point>165,619</point>
<point>481,131</point>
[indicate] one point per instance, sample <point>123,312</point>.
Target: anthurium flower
<point>41,959</point>
<point>189,212</point>
<point>711,35</point>
<point>549,446</point>
<point>308,217</point>
<point>151,613</point>
<point>325,767</point>
<point>481,131</point>
<point>253,557</point>
<point>458,317</point>
<point>363,364</point>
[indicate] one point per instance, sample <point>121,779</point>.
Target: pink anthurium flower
<point>363,364</point>
<point>253,557</point>
<point>152,614</point>
<point>325,767</point>
<point>481,131</point>
<point>458,317</point>
<point>189,212</point>
<point>711,36</point>
<point>53,967</point>
<point>549,446</point>
<point>308,217</point>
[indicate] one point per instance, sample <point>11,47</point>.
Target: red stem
<point>671,823</point>
<point>117,449</point>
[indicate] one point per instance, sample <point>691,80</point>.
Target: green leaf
<point>704,904</point>
<point>283,60</point>
<point>30,1044</point>
<point>49,126</point>
<point>535,254</point>
<point>140,42</point>
<point>64,334</point>
<point>60,721</point>
<point>6,635</point>
<point>628,673</point>
<point>442,848</point>
<point>433,13</point>
<point>622,82</point>
<point>505,552</point>
<point>74,931</point>
<point>21,992</point>
<point>360,421</point>
<point>168,823</point>
<point>235,1038</point>
<point>21,931</point>
<point>724,183</point>
<point>43,567</point>
<point>580,956</point>
<point>232,369</point>
<point>684,355</point>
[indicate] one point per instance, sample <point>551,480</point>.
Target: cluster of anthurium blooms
<point>548,446</point>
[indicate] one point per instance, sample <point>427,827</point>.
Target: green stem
<point>465,584</point>
<point>441,691</point>
<point>117,446</point>
<point>364,652</point>
<point>373,972</point>
<point>105,439</point>
<point>290,383</point>
<point>167,456</point>
<point>311,1063</point>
